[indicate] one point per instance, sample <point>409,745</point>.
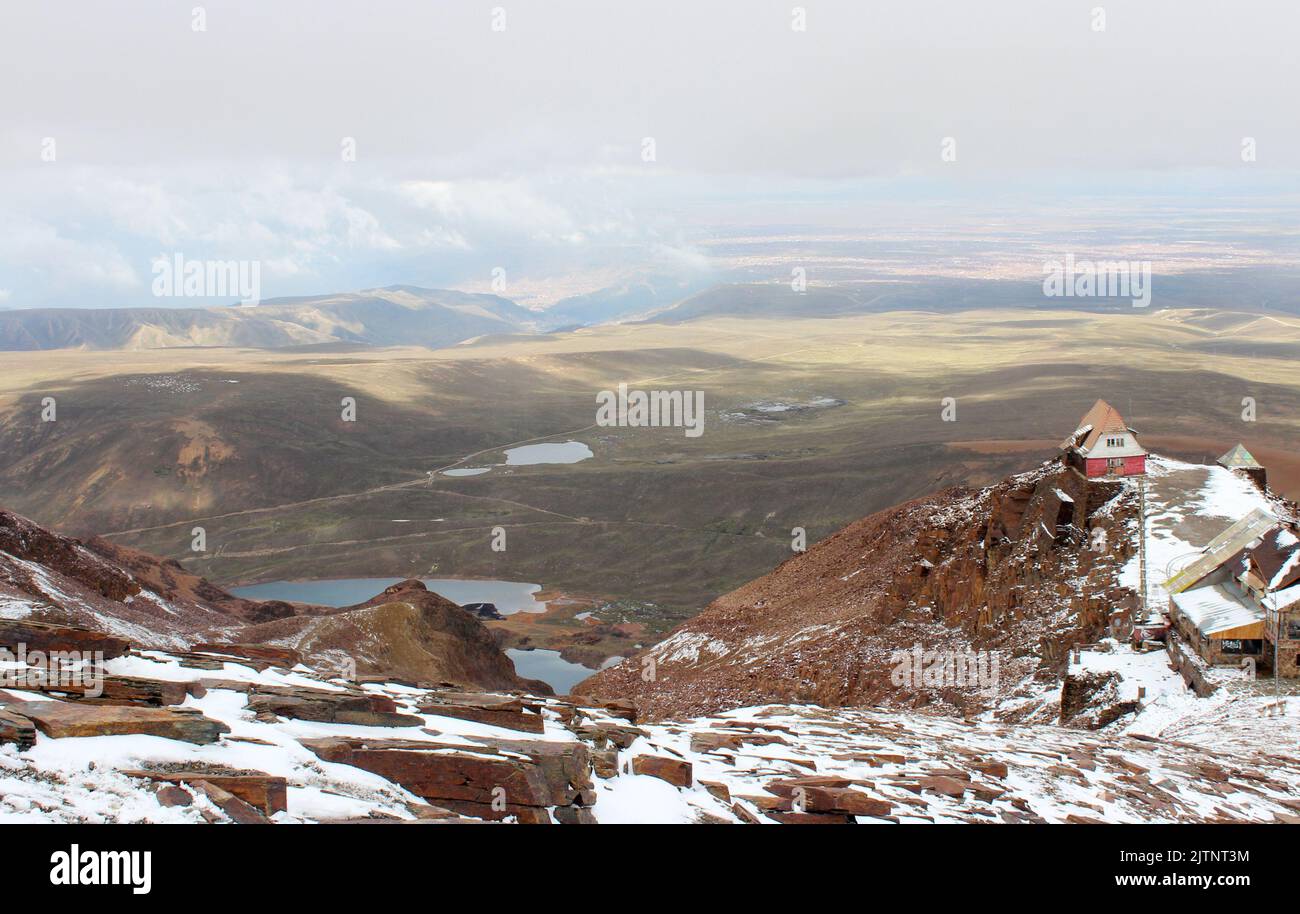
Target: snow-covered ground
<point>1187,506</point>
<point>746,763</point>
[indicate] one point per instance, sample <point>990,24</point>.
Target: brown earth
<point>1009,569</point>
<point>404,632</point>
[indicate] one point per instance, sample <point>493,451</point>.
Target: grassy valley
<point>809,423</point>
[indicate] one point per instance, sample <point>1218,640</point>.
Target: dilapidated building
<point>1240,597</point>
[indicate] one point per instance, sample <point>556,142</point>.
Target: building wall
<point>1210,649</point>
<point>1288,649</point>
<point>1096,467</point>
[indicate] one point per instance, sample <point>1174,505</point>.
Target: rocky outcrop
<point>265,793</point>
<point>117,594</point>
<point>1090,700</point>
<point>1017,572</point>
<point>331,707</point>
<point>798,765</point>
<point>406,632</point>
<point>47,638</point>
<point>493,780</point>
<point>59,720</point>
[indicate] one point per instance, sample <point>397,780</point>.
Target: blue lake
<point>550,667</point>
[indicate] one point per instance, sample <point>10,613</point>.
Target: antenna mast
<point>1142,546</point>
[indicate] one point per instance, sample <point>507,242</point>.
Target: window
<point>1252,646</point>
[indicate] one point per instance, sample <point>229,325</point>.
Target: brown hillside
<point>1009,569</point>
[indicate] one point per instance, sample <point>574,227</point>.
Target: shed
<point>1221,612</point>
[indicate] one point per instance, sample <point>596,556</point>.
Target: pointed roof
<point>1239,459</point>
<point>1224,548</point>
<point>1100,420</point>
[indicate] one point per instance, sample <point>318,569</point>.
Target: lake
<point>563,452</point>
<point>532,455</point>
<point>509,596</point>
<point>550,667</point>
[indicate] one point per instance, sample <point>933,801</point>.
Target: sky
<point>567,143</point>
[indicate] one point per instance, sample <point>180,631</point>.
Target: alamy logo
<point>77,867</point>
<point>1098,279</point>
<point>177,277</point>
<point>651,409</point>
<point>920,670</point>
<point>80,671</point>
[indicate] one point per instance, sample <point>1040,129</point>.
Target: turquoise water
<point>550,667</point>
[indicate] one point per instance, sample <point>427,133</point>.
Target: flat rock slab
<point>266,793</point>
<point>845,801</point>
<point>240,812</point>
<point>129,690</point>
<point>675,771</point>
<point>622,736</point>
<point>280,656</point>
<point>333,708</point>
<point>59,720</point>
<point>42,636</point>
<point>496,710</point>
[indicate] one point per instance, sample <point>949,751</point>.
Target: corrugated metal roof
<point>1223,547</point>
<point>1221,610</point>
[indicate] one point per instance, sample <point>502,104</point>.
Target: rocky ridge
<point>1022,570</point>
<point>210,737</point>
<point>406,631</point>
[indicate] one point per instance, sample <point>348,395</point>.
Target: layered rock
<point>1018,572</point>
<point>491,780</point>
<point>404,633</point>
<point>60,720</point>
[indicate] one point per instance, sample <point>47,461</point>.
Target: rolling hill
<point>396,315</point>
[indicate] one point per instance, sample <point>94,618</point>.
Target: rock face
<point>497,710</point>
<point>118,594</point>
<point>16,729</point>
<point>331,707</point>
<point>1020,571</point>
<point>47,638</point>
<point>1091,700</point>
<point>265,653</point>
<point>489,781</point>
<point>675,771</point>
<point>406,632</point>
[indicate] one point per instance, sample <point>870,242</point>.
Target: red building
<point>1104,445</point>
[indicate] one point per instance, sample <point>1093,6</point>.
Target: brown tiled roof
<point>1100,420</point>
<point>1275,553</point>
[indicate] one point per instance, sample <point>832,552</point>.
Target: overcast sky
<point>524,146</point>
